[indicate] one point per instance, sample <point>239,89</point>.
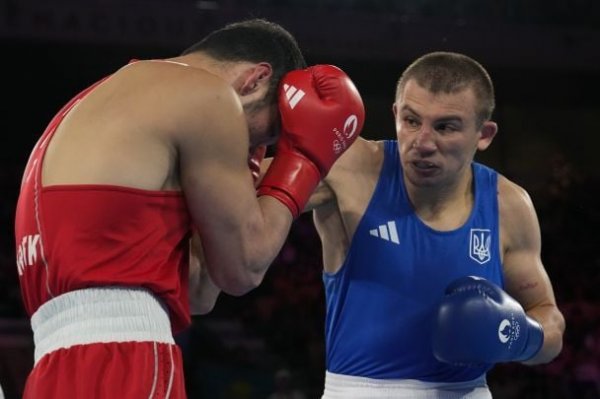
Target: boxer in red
<point>133,168</point>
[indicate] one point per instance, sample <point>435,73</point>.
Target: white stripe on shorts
<point>338,386</point>
<point>96,315</point>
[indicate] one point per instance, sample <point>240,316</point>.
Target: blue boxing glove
<point>478,323</point>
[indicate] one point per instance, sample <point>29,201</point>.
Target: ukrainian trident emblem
<point>480,244</point>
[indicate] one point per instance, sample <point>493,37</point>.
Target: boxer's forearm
<point>203,292</point>
<point>553,323</point>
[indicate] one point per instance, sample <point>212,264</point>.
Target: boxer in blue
<point>432,261</point>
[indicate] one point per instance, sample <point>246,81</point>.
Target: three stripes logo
<point>386,232</point>
<point>293,95</point>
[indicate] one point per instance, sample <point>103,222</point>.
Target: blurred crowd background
<point>544,57</point>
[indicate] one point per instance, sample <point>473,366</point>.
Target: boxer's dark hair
<point>254,40</point>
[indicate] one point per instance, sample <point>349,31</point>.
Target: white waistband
<point>93,315</point>
<point>352,387</point>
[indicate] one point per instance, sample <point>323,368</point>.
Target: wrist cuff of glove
<point>535,339</point>
<point>291,179</point>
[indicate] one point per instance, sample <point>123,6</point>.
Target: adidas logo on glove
<point>293,95</point>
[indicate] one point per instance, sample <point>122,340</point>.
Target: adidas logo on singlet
<point>293,95</point>
<point>386,232</point>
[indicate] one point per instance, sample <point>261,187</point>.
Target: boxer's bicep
<point>213,148</point>
<point>524,274</point>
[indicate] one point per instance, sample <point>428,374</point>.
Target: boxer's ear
<point>254,78</point>
<point>487,133</point>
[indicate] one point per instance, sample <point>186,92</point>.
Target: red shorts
<point>128,370</point>
<point>105,343</point>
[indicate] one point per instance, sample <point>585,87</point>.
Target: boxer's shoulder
<point>358,168</point>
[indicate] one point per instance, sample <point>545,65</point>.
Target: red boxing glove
<point>255,157</point>
<point>322,114</point>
